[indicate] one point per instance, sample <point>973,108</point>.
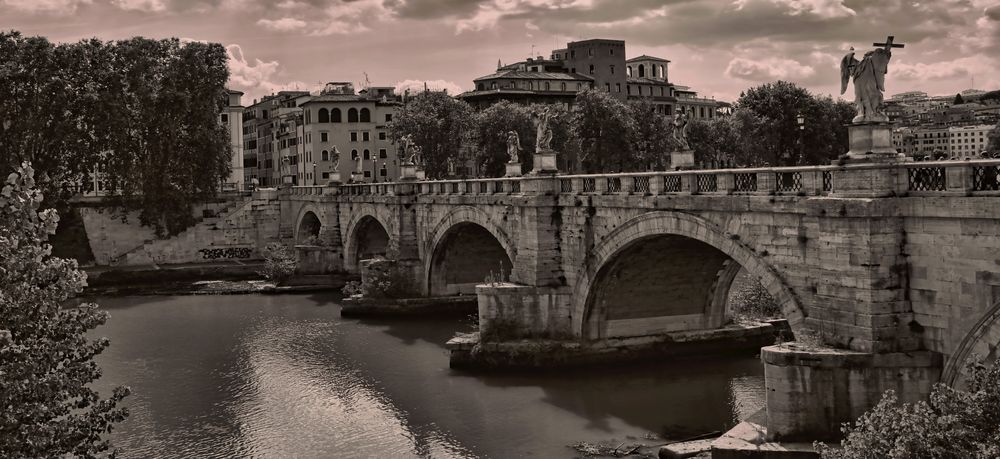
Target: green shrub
<point>279,263</point>
<point>750,302</point>
<point>952,423</point>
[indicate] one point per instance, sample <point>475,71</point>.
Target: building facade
<point>599,64</point>
<point>356,126</point>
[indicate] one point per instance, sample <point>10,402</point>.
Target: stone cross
<point>888,45</point>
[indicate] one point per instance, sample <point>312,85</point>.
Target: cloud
<point>351,17</point>
<point>258,78</point>
<point>769,69</point>
<point>821,8</point>
<point>282,25</point>
<point>434,85</point>
<point>153,6</point>
<point>46,6</point>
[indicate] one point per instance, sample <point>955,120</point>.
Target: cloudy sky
<point>718,47</point>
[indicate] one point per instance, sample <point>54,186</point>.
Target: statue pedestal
<point>545,162</point>
<point>513,170</point>
<point>335,179</point>
<point>872,142</point>
<point>683,159</point>
<point>407,172</point>
<point>421,175</point>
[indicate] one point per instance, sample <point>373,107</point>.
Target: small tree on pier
<point>46,359</point>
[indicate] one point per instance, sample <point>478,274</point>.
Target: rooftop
<point>646,57</point>
<point>518,75</point>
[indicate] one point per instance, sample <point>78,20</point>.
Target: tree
<point>603,127</point>
<point>438,124</point>
<point>651,140</point>
<point>958,99</point>
<point>142,114</point>
<point>774,136</point>
<point>46,359</point>
<point>993,147</point>
<point>952,423</point>
<point>490,136</point>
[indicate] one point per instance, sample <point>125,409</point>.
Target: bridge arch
<point>464,248</point>
<point>368,235</point>
<point>666,254</point>
<point>308,224</point>
<point>982,342</point>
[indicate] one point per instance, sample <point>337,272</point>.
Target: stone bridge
<point>892,269</point>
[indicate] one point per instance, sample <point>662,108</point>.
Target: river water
<point>284,376</point>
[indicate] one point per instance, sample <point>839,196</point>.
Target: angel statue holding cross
<point>869,80</point>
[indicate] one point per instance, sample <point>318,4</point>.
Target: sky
<point>718,47</point>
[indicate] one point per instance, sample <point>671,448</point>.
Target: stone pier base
<point>315,259</point>
<point>812,391</point>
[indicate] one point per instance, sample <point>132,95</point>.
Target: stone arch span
<point>981,342</point>
<point>307,223</point>
<point>368,236</point>
<point>464,248</point>
<point>667,271</point>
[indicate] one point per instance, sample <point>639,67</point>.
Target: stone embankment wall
<point>235,231</point>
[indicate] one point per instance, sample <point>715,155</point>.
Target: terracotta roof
<point>536,76</point>
<point>646,57</point>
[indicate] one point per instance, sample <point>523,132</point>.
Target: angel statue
<point>869,80</point>
<point>543,137</point>
<point>513,146</point>
<point>335,157</point>
<point>405,143</point>
<point>680,131</point>
<point>415,157</point>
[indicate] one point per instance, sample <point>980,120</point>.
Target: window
<point>354,154</point>
<point>382,154</point>
<point>335,115</point>
<point>591,69</point>
<point>652,71</point>
<point>225,118</point>
<point>365,136</point>
<point>368,174</point>
<point>383,172</point>
<point>642,70</point>
<point>611,51</point>
<point>547,86</point>
<point>562,86</point>
<point>590,52</point>
<point>366,115</point>
<point>324,116</point>
<point>612,70</point>
<point>579,86</point>
<point>479,87</point>
<point>325,155</point>
<point>651,90</point>
<point>323,137</point>
<point>607,87</point>
<point>352,115</point>
<point>381,135</point>
<point>663,73</point>
<point>326,175</point>
<point>628,70</point>
<point>618,87</point>
<point>661,91</point>
<point>388,117</point>
<point>572,54</point>
<point>368,155</point>
<point>354,136</point>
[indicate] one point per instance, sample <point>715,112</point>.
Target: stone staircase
<point>207,232</point>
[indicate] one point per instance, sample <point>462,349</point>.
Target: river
<point>284,376</point>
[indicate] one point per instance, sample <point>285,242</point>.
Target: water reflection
<point>284,376</point>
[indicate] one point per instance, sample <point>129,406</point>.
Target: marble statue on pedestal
<point>868,75</point>
<point>543,138</point>
<point>680,131</point>
<point>513,146</point>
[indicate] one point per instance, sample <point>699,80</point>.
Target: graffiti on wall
<point>228,252</point>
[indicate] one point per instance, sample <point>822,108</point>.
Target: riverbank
<point>217,278</point>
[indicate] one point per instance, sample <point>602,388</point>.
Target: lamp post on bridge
<point>801,119</point>
<point>314,173</point>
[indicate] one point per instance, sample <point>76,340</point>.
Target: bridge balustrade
<point>928,178</point>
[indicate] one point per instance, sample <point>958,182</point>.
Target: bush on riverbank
<point>46,360</point>
<point>382,278</point>
<point>953,423</point>
<point>749,301</point>
<point>279,263</point>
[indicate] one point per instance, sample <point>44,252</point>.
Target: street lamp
<point>314,173</point>
<point>801,119</point>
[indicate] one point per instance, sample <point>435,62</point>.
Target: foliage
<point>952,423</point>
<point>993,147</point>
<point>770,132</point>
<point>751,302</point>
<point>438,124</point>
<point>140,115</point>
<point>602,125</point>
<point>489,136</point>
<point>958,99</point>
<point>384,279</point>
<point>279,262</point>
<point>719,141</point>
<point>46,359</point>
<point>352,288</point>
<point>650,139</point>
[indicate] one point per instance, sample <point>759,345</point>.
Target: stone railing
<point>937,178</point>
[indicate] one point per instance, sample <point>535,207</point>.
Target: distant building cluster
<point>943,127</point>
<point>589,64</point>
<point>294,137</point>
